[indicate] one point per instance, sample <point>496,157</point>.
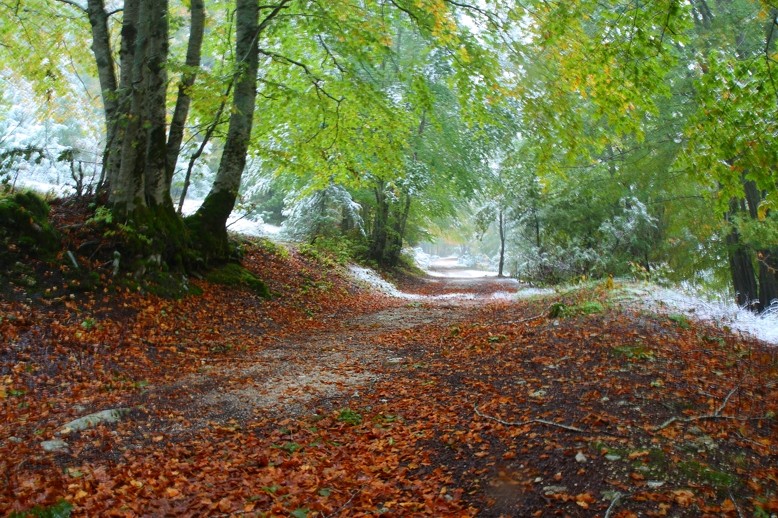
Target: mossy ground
<point>233,274</point>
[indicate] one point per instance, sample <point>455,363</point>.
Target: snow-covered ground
<point>451,267</point>
<point>372,279</point>
<point>664,300</point>
<point>719,310</point>
<point>237,222</point>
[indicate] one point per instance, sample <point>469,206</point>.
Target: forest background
<point>575,139</point>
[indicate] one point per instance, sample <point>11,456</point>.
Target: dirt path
<point>439,405</point>
<point>335,364</point>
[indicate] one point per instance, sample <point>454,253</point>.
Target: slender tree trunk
<point>378,237</point>
<point>209,222</point>
<point>501,223</point>
<point>741,263</point>
<point>106,73</point>
<point>395,245</point>
<point>192,63</point>
<point>766,257</point>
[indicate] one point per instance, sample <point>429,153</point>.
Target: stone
<point>90,421</point>
<point>54,446</point>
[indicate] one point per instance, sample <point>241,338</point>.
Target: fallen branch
<point>529,421</point>
<point>346,503</point>
<point>523,320</point>
<point>714,415</point>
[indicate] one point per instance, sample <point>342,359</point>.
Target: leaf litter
<point>332,400</point>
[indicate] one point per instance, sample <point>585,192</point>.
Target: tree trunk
<point>192,63</point>
<point>210,220</point>
<point>395,245</point>
<point>116,133</point>
<point>501,223</point>
<point>766,258</point>
<point>127,190</point>
<point>106,73</point>
<point>157,192</point>
<point>741,263</point>
<point>379,236</point>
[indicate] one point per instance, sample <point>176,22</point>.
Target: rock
<point>90,421</point>
<point>550,490</point>
<point>54,446</point>
<point>654,484</point>
<point>580,457</point>
<point>613,457</point>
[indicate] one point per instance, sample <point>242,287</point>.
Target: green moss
<point>561,310</point>
<point>636,351</point>
<point>680,320</point>
<point>707,475</point>
<point>207,227</point>
<point>233,274</point>
<point>25,228</point>
<point>147,238</point>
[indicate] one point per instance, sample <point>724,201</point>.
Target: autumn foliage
<point>328,400</point>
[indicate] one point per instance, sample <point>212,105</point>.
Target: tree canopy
<point>607,138</point>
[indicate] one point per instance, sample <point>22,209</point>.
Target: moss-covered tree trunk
<point>397,235</point>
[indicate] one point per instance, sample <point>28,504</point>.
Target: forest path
<point>322,367</point>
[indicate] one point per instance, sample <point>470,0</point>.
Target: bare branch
<point>529,421</point>
<point>74,4</point>
<point>315,80</point>
<point>714,415</point>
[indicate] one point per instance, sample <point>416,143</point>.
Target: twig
<point>529,421</point>
<point>726,400</point>
<point>339,509</point>
<point>618,496</point>
<point>714,415</point>
<point>521,321</point>
<point>734,502</point>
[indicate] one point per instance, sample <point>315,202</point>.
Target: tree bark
<point>766,257</point>
<point>501,223</point>
<point>127,190</point>
<point>183,101</point>
<point>395,245</point>
<point>157,192</point>
<point>379,235</point>
<point>106,72</point>
<point>741,263</point>
<point>210,220</point>
<point>116,134</point>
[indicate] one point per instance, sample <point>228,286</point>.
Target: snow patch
<point>372,279</point>
<point>237,222</point>
<point>718,310</point>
